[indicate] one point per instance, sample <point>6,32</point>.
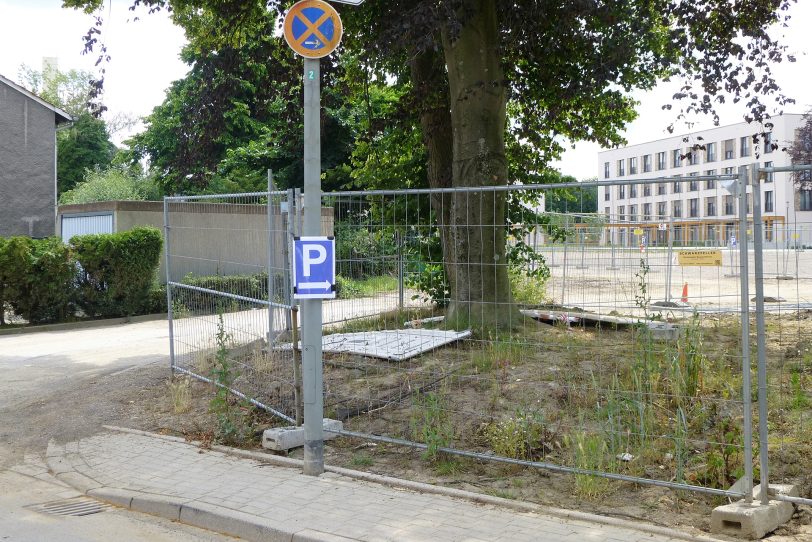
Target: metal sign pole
<point>311,308</point>
<point>747,406</point>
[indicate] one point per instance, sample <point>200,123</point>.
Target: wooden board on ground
<point>573,317</point>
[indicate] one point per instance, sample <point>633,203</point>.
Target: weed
<point>180,393</point>
<point>527,289</point>
<point>233,425</point>
<point>501,493</point>
<point>800,401</point>
<point>591,454</point>
<point>519,437</point>
<point>361,460</point>
<point>431,424</point>
<point>448,467</point>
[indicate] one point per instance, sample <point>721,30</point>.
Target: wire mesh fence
<point>605,345</point>
<point>228,285</point>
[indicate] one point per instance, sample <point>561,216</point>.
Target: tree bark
<point>480,287</point>
<point>431,93</point>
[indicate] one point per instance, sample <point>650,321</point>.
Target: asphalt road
<point>64,385</point>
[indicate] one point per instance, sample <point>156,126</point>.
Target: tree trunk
<point>480,288</point>
<point>431,93</point>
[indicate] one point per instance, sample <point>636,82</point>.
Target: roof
<point>61,116</point>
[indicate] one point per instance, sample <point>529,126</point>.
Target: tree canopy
<point>493,87</point>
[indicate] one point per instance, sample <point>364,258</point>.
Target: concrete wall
<point>27,165</point>
<point>206,238</point>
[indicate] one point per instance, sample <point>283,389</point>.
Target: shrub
<point>111,184</point>
<point>36,277</point>
<point>253,286</point>
<point>117,271</point>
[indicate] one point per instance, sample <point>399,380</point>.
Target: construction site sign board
<point>712,258</point>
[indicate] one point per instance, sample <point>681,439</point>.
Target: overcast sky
<point>145,61</point>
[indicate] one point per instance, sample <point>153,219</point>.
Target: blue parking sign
<point>314,268</point>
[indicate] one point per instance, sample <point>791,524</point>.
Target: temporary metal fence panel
<point>584,375</point>
<point>228,290</point>
<point>622,348</point>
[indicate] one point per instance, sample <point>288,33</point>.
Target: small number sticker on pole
<point>313,28</point>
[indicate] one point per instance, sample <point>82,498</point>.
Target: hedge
<point>116,271</point>
<point>36,277</point>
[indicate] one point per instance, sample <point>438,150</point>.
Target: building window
<point>676,209</point>
<point>693,186</point>
<point>728,171</point>
<point>608,214</point>
<point>661,189</point>
<point>744,147</point>
<point>646,190</point>
<point>710,207</point>
<point>768,143</point>
<point>710,152</point>
<point>693,207</point>
<point>633,191</point>
<point>730,205</point>
<point>710,183</point>
<point>647,211</point>
<point>806,200</point>
<point>621,213</point>
<point>770,175</point>
<point>675,158</point>
<point>606,194</point>
<point>646,163</point>
<point>661,161</point>
<point>632,213</point>
<point>621,168</point>
<point>677,188</point>
<point>662,211</point>
<point>694,157</point>
<point>729,148</point>
<point>606,170</point>
<point>632,165</point>
<point>768,201</point>
<point>621,191</point>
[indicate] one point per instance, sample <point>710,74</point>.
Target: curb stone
<point>421,487</point>
<point>83,324</point>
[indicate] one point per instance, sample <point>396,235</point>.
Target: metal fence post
<point>399,241</point>
<point>167,263</point>
<point>761,352</point>
<point>670,261</point>
<point>564,270</point>
<point>741,194</point>
<point>271,254</point>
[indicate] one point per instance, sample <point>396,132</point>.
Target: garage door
<point>85,224</point>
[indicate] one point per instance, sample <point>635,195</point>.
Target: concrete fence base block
<point>287,438</point>
<point>754,520</point>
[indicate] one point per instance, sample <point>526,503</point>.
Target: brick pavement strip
<point>257,498</point>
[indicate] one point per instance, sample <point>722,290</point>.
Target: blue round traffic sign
<point>313,28</point>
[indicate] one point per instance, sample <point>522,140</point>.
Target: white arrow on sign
<point>314,285</point>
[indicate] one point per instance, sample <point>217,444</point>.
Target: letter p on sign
<point>313,256</point>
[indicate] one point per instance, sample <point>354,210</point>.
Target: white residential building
<point>702,212</point>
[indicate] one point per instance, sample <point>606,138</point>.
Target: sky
<point>145,61</point>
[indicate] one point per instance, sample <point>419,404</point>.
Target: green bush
<point>117,271</point>
<point>36,277</point>
<point>363,252</point>
<point>112,184</point>
<point>253,286</point>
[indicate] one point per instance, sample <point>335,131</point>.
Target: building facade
<point>702,212</point>
<point>27,162</point>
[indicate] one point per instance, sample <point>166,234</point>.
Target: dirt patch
<point>573,396</point>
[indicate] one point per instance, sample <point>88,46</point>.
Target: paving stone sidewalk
<point>271,500</point>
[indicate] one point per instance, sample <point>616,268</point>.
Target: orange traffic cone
<point>685,293</point>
